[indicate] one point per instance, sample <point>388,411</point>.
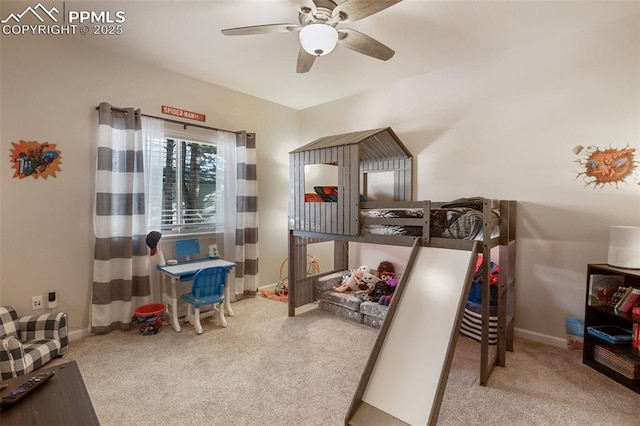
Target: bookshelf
<point>599,354</point>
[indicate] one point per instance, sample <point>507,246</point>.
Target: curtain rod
<point>168,120</point>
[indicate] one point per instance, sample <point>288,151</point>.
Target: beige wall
<point>500,126</point>
<point>504,126</point>
<point>50,88</point>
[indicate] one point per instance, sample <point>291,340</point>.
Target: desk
<point>62,400</point>
<point>185,271</point>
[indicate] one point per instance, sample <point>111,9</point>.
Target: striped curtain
<point>246,271</point>
<point>121,261</point>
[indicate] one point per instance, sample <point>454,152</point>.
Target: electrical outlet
<point>36,303</point>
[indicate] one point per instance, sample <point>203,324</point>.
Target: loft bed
<point>341,214</point>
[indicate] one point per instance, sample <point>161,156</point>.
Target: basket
<point>149,318</point>
<point>575,333</point>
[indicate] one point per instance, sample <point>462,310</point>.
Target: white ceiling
<point>184,36</point>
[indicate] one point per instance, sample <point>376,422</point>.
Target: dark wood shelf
<point>627,316</point>
<point>606,315</point>
<point>634,385</point>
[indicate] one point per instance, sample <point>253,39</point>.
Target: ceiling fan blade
<point>353,10</point>
<point>364,44</point>
<point>261,29</point>
<point>304,4</point>
<point>305,61</point>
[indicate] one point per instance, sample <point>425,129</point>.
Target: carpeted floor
<point>269,369</point>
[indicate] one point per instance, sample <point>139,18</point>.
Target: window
<point>188,186</point>
<point>189,178</point>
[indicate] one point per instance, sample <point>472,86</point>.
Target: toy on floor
<point>280,292</point>
<point>282,288</point>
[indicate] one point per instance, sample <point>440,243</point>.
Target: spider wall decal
<point>609,166</point>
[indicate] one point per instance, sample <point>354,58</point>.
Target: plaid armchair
<point>29,342</point>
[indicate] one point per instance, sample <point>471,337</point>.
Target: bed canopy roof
<point>355,157</point>
<point>373,145</point>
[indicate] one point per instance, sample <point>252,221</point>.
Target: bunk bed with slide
<point>342,214</point>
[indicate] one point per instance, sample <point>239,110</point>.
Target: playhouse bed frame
<point>356,155</point>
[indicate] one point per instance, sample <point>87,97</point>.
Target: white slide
<point>407,371</point>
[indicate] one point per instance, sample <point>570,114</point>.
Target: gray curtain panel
<point>121,261</point>
<point>247,213</point>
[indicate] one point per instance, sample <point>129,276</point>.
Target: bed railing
<point>301,286</point>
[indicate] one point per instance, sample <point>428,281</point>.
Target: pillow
<point>330,193</point>
<point>313,198</point>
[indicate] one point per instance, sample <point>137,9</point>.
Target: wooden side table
<point>62,400</point>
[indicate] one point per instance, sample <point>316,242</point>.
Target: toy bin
<point>149,318</point>
<point>575,333</point>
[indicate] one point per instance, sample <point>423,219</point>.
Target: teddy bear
<point>354,281</point>
<point>370,280</point>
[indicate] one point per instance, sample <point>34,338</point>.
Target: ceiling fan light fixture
<point>318,39</point>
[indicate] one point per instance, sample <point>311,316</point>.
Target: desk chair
<point>208,289</point>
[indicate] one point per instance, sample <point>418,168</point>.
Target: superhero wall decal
<point>610,166</point>
<point>31,158</point>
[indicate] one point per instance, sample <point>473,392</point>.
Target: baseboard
<point>518,332</point>
<point>270,287</point>
<point>79,334</point>
<point>541,338</point>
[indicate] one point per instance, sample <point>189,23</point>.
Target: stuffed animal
<point>385,270</point>
<point>370,282</point>
<point>354,281</point>
<point>384,289</point>
<point>393,282</point>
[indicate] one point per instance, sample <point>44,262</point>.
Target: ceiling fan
<point>318,32</point>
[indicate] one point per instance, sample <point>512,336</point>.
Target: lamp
<point>318,39</point>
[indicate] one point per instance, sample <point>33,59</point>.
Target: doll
<point>384,288</point>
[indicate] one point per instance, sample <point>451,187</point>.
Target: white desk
<point>185,271</point>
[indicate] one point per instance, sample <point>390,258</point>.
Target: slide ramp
<point>406,374</point>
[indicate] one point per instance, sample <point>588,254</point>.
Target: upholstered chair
<point>27,343</point>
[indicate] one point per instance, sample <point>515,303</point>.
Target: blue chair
<point>208,289</point>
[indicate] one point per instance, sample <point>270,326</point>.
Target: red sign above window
<point>183,113</point>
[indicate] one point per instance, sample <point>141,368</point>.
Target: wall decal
<point>608,166</point>
<point>31,158</point>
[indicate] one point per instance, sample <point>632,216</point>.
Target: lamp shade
<point>318,39</point>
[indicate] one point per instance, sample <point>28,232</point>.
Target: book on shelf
<point>631,301</point>
<point>602,287</point>
<point>616,296</point>
<point>620,359</point>
<point>624,297</point>
<point>635,340</point>
<point>620,355</point>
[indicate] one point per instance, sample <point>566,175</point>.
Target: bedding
<point>460,219</point>
<point>313,198</point>
<point>328,194</point>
